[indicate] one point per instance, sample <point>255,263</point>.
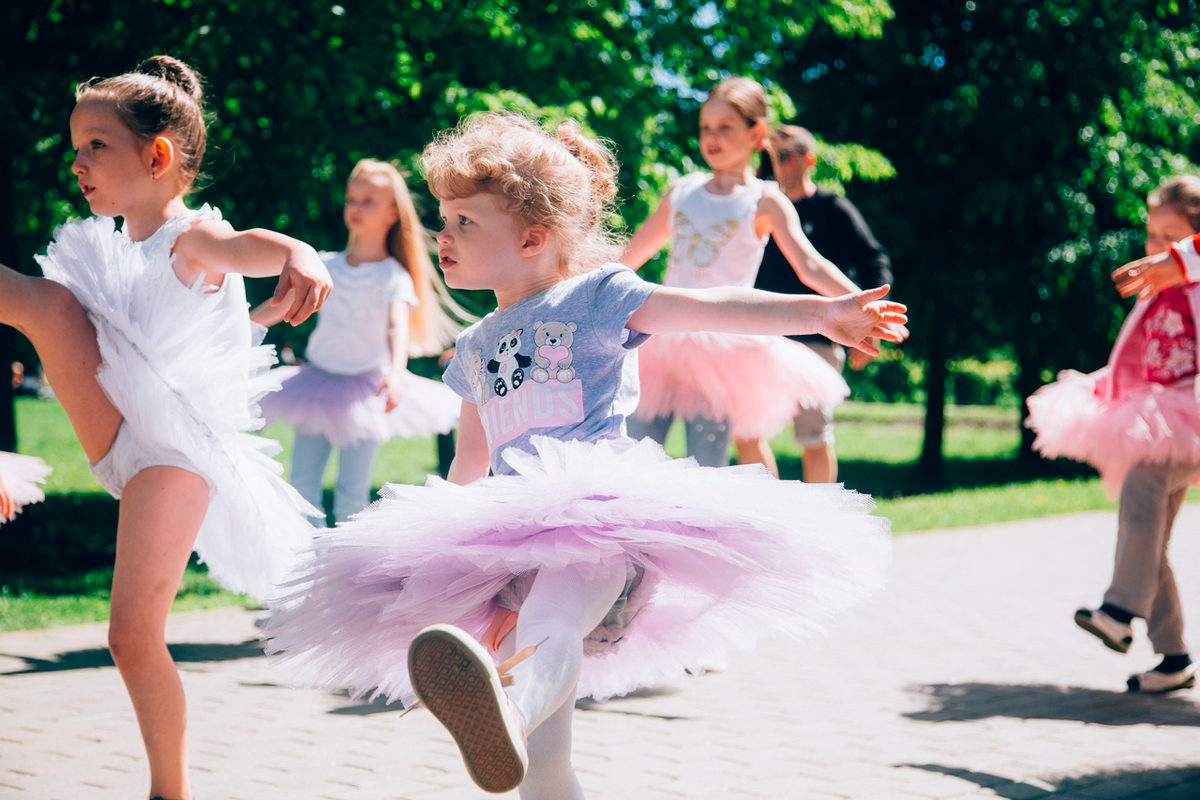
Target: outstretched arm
<point>214,248</point>
<point>650,237</point>
<point>853,319</point>
<point>1154,273</point>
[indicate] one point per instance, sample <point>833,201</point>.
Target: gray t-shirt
<point>560,363</point>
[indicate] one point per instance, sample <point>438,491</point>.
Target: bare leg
<point>820,464</point>
<point>161,512</point>
<point>756,451</point>
<point>54,321</point>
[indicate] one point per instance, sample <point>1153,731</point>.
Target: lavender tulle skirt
<point>22,476</point>
<point>755,383</point>
<point>346,409</point>
<point>1149,422</point>
<point>717,560</point>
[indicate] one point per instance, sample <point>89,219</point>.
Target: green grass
<point>56,558</point>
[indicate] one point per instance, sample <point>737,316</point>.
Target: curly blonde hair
<point>565,183</point>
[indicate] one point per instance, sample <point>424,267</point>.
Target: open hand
<point>305,277</point>
<point>857,319</point>
<point>1148,275</point>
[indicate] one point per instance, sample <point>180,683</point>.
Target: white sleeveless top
<point>712,235</point>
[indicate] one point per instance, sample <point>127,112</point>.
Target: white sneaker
<point>455,678</point>
<point>1155,682</point>
<point>1115,635</point>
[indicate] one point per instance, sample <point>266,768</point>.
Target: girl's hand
<point>1148,275</point>
<point>304,275</point>
<point>8,509</point>
<point>856,319</point>
<point>389,390</point>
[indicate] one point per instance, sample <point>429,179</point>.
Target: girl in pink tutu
<point>603,563</point>
<point>20,477</point>
<point>355,391</point>
<point>144,333</point>
<point>1137,420</point>
<point>730,385</point>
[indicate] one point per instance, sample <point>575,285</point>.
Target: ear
<point>162,156</point>
<point>810,160</point>
<point>534,240</point>
<point>758,133</point>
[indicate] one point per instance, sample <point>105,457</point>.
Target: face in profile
<point>1165,226</point>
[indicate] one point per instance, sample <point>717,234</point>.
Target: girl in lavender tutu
<point>355,391</point>
<point>1137,420</point>
<point>723,384</point>
<point>587,563</point>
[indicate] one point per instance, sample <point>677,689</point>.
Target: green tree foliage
<point>1025,137</point>
<point>298,90</point>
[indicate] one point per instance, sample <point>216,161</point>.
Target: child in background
<point>145,334</point>
<point>615,566</point>
<point>730,385</point>
<point>1137,421</point>
<point>19,479</point>
<point>837,230</point>
<point>355,391</point>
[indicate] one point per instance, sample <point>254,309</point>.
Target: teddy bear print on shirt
<point>509,365</point>
<point>552,354</point>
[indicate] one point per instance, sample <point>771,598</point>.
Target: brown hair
<point>782,139</point>
<point>746,95</point>
<point>564,183</point>
<point>431,328</point>
<point>1181,193</point>
<point>162,96</point>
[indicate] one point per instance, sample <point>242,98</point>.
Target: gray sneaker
<point>1115,635</point>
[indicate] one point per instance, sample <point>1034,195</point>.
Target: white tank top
<point>712,235</point>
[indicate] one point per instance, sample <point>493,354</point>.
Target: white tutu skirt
<point>755,383</point>
<point>21,476</point>
<point>347,409</point>
<point>186,369</point>
<point>723,558</point>
<point>1149,422</point>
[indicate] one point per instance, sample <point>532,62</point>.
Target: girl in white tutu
<point>626,566</point>
<point>1137,420</point>
<point>144,333</point>
<point>355,391</point>
<point>20,477</point>
<point>730,385</point>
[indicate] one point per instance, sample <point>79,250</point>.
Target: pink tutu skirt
<point>21,476</point>
<point>719,559</point>
<point>1150,422</point>
<point>755,383</point>
<point>347,409</point>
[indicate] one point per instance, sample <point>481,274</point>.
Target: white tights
<point>563,606</point>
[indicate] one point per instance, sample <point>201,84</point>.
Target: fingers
<point>867,347</point>
<point>871,295</point>
<point>305,304</point>
<point>889,332</point>
<point>282,288</point>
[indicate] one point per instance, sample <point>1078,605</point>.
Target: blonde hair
<point>431,327</point>
<point>1181,193</point>
<point>564,183</point>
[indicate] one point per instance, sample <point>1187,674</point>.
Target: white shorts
<point>127,457</point>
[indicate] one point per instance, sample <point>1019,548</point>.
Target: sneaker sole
<point>450,674</point>
<point>1086,623</point>
<point>1135,685</point>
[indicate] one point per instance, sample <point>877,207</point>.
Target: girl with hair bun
<point>730,386</point>
<point>354,392</point>
<point>145,334</point>
<point>587,563</point>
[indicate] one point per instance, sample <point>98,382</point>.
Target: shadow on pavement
<point>1169,783</point>
<point>187,653</point>
<point>960,702</point>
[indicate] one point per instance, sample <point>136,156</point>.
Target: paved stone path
<point>965,679</point>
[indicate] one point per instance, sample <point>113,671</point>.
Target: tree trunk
<point>935,408</point>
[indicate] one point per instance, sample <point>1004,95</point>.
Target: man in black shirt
<point>837,230</point>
